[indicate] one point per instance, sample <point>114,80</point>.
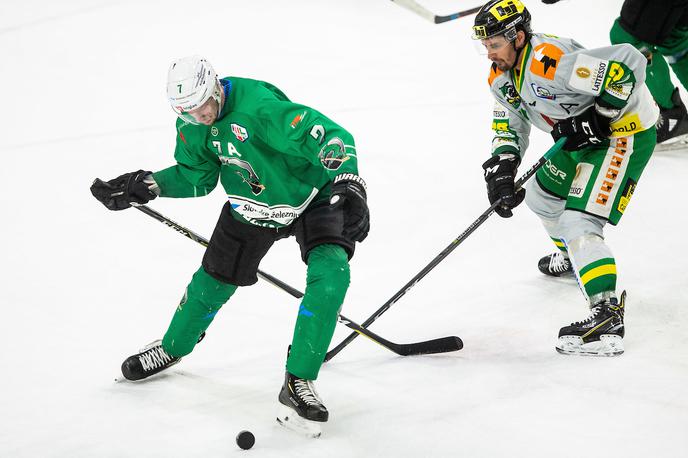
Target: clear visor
<point>186,117</point>
<point>207,112</point>
<point>491,45</point>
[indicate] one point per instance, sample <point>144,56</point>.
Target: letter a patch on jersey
<point>545,59</point>
<point>239,132</point>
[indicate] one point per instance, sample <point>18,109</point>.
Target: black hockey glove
<point>589,128</point>
<point>500,172</point>
<point>119,193</point>
<point>349,191</point>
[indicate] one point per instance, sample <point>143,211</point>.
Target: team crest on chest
<point>511,95</point>
<point>239,132</point>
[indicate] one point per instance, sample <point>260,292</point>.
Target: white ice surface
<point>81,288</point>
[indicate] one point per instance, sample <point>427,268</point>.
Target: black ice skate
<point>151,360</point>
<point>672,125</point>
<point>301,409</point>
<point>601,334</point>
<point>555,265</point>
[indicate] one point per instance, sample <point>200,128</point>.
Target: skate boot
<point>151,360</point>
<point>672,125</point>
<point>301,409</point>
<point>601,334</point>
<point>555,265</point>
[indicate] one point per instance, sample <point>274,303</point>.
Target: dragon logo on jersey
<point>333,154</point>
<point>239,132</point>
<point>511,94</point>
<point>618,83</point>
<point>252,180</point>
<point>545,59</point>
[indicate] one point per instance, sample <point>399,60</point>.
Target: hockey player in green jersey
<point>287,170</point>
<point>597,99</point>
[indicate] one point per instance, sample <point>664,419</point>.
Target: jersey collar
<point>518,77</point>
<point>229,97</point>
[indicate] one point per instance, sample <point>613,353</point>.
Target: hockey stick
<point>440,345</point>
<point>429,15</point>
<point>456,242</point>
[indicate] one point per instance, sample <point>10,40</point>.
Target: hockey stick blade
<point>427,347</point>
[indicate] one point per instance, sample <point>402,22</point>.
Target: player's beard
<point>504,65</point>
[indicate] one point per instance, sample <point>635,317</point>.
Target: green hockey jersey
<point>272,156</point>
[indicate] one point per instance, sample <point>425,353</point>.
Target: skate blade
<point>608,345</point>
<point>288,418</point>
<point>673,144</point>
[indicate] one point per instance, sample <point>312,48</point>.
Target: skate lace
<point>558,263</point>
<point>305,390</point>
<point>154,358</point>
<point>593,314</point>
<point>660,122</point>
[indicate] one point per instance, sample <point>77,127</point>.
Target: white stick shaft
<point>416,8</point>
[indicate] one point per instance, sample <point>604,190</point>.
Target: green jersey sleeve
<point>196,172</point>
<point>301,131</point>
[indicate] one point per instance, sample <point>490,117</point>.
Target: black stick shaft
<point>451,247</point>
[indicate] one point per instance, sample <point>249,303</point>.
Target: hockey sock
<point>675,51</point>
<point>680,68</point>
<point>657,76</point>
<point>326,284</point>
<point>594,264</point>
<point>203,298</point>
<point>560,245</point>
<point>658,81</point>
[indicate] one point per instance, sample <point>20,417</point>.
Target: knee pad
<point>207,292</point>
<point>328,274</point>
<point>202,299</point>
<point>575,225</point>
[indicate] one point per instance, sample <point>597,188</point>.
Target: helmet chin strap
<point>219,96</point>
<point>519,50</point>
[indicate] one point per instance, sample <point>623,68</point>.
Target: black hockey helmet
<point>501,17</point>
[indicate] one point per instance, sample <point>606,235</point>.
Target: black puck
<point>245,440</point>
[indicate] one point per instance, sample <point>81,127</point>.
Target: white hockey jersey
<point>559,79</point>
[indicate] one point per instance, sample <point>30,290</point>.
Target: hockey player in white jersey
<point>597,99</point>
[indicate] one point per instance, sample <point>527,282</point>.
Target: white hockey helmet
<point>191,81</point>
